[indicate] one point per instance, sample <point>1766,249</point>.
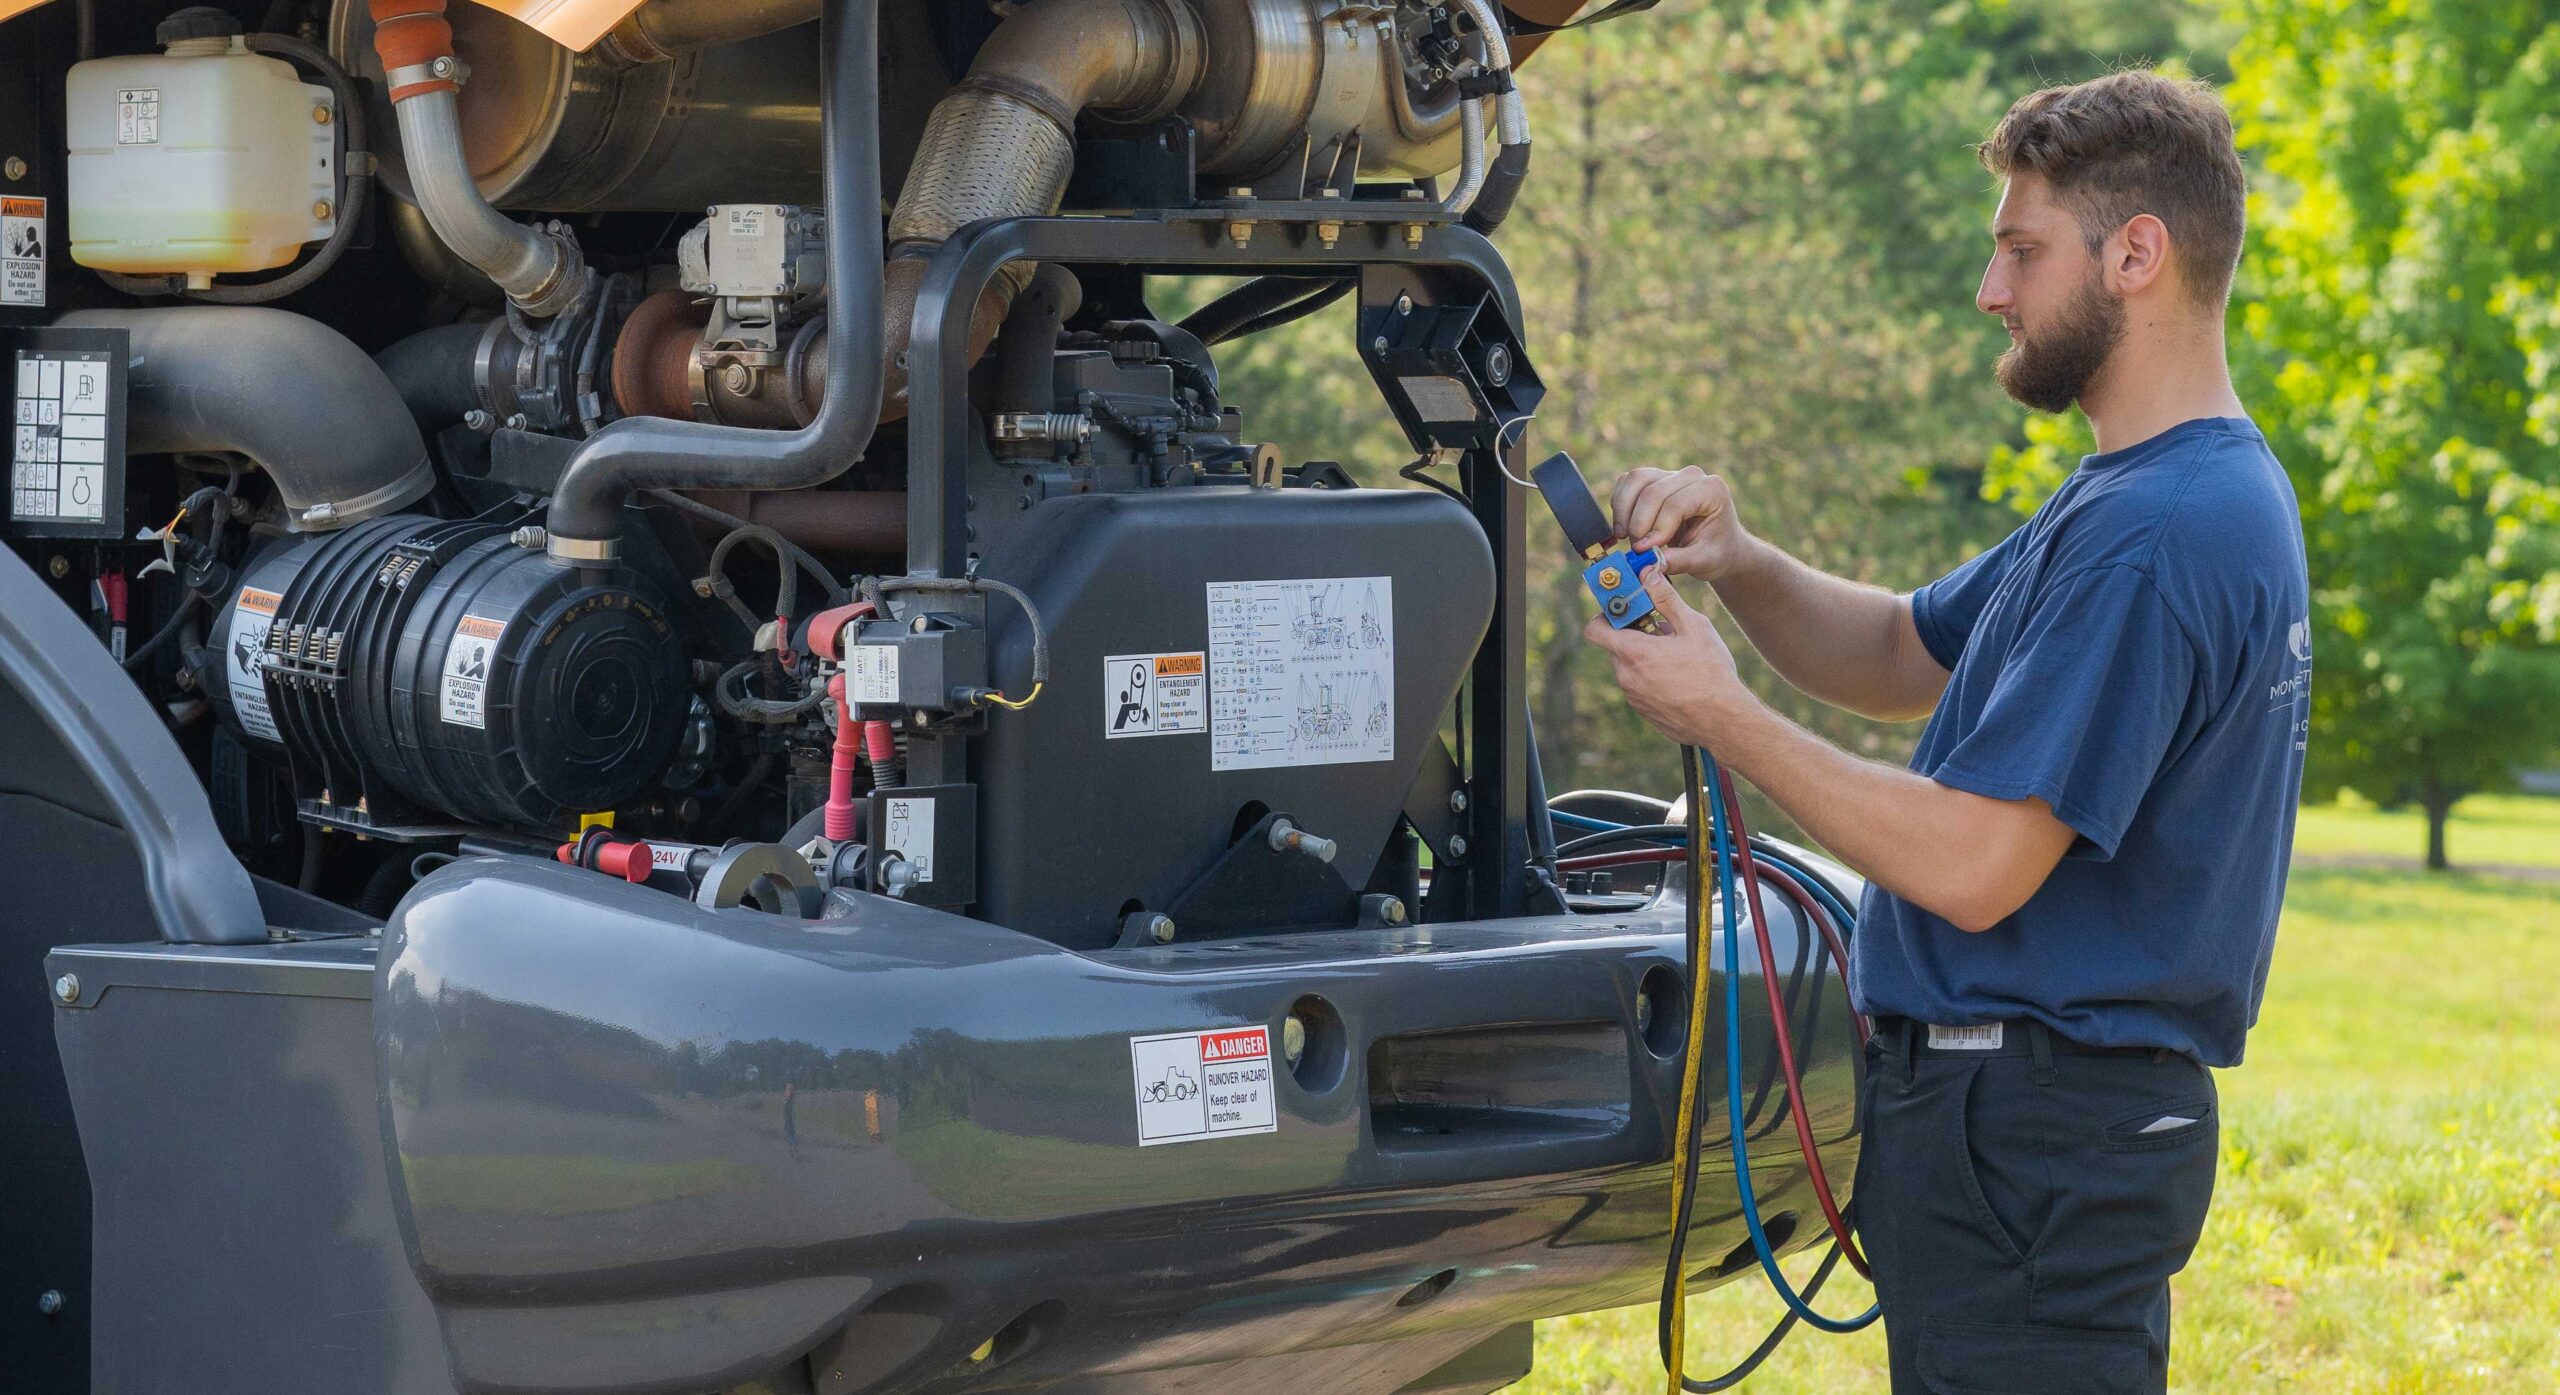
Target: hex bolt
<point>1293,1039</point>
<point>1611,576</point>
<point>1457,846</point>
<point>481,421</point>
<point>1288,837</point>
<point>1378,345</point>
<point>1240,233</point>
<point>67,988</point>
<point>1392,912</point>
<point>49,1302</point>
<point>1328,233</point>
<point>1404,305</point>
<point>59,565</point>
<point>1160,929</point>
<point>518,422</point>
<point>321,211</point>
<point>16,169</point>
<point>1457,801</point>
<point>323,115</point>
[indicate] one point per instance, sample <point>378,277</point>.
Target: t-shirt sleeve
<point>1944,611</point>
<point>2092,700</point>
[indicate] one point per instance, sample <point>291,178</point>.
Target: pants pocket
<point>1991,1157</point>
<point>1976,1358</point>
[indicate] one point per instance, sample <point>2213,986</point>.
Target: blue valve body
<point>1624,603</point>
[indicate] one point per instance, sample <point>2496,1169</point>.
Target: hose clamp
<point>583,550</point>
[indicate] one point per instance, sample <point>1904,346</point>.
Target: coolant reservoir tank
<point>200,160</point>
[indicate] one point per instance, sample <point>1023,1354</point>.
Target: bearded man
<point>2072,891</point>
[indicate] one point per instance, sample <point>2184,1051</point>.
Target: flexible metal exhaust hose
<point>635,453</point>
<point>283,389</point>
<point>1002,144</point>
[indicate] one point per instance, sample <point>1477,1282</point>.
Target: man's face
<point>2047,287</point>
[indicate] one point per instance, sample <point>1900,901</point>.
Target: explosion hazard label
<point>465,701</point>
<point>1154,695</point>
<point>21,251</point>
<point>1195,1085</point>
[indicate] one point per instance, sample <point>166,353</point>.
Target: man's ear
<point>2136,256</point>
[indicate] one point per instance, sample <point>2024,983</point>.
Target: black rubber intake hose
<point>435,372</point>
<point>638,453</point>
<point>1502,183</point>
<point>283,389</point>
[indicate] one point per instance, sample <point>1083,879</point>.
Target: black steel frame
<point>1446,262</point>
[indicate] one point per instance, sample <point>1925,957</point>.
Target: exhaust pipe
<point>541,272</point>
<point>585,522</point>
<point>1002,144</point>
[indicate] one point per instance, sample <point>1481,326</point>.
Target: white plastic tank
<point>202,160</point>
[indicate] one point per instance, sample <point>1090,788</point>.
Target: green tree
<point>1749,242</point>
<point>2399,337</point>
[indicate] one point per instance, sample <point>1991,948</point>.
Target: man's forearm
<point>1916,838</point>
<point>1841,642</point>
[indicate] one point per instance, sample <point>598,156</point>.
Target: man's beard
<point>2050,371</point>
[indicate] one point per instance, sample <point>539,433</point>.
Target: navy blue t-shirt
<point>2138,656</point>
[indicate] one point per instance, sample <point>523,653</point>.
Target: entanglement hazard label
<point>1195,1085</point>
<point>1154,694</point>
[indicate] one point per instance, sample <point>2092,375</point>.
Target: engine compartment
<point>435,421</point>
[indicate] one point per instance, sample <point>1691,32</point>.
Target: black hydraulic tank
<point>1216,653</point>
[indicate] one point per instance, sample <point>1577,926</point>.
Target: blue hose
<point>1721,839</point>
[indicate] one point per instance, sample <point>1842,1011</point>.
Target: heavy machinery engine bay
<point>665,620</point>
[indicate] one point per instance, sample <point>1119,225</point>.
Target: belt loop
<point>2040,1050</point>
<point>1910,1033</point>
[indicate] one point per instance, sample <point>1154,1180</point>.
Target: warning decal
<point>1195,1085</point>
<point>138,116</point>
<point>21,251</point>
<point>245,660</point>
<point>1154,694</point>
<point>906,831</point>
<point>466,672</point>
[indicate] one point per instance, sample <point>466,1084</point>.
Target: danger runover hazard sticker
<point>1195,1085</point>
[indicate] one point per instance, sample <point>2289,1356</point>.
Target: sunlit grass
<point>2388,1206</point>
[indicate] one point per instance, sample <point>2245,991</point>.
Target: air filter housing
<point>422,675</point>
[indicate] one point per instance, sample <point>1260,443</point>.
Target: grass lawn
<point>2388,1206</point>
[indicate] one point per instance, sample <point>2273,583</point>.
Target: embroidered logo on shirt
<point>1964,1038</point>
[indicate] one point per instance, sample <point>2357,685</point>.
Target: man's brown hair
<point>2130,143</point>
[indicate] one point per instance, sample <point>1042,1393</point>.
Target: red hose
<point>1785,1036</point>
<point>839,823</point>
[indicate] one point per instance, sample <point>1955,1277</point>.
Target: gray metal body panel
<point>646,1147</point>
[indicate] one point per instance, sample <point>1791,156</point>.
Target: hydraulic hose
<point>1716,829</point>
<point>635,453</point>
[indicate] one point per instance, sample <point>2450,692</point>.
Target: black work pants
<point>2024,1206</point>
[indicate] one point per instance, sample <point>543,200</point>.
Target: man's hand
<point>1679,680</point>
<point>1686,515</point>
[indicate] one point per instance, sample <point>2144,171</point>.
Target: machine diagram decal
<point>1301,672</point>
<point>1154,695</point>
<point>58,442</point>
<point>1195,1085</point>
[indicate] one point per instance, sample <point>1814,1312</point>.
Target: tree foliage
<point>1750,243</point>
<point>2399,339</point>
